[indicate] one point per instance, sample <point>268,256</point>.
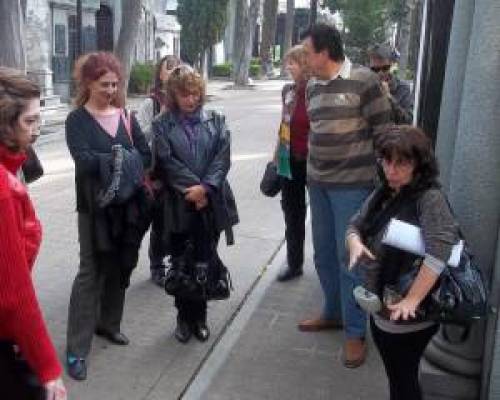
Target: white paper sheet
<point>408,237</point>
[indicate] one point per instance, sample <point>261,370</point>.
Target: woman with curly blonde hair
<point>193,157</point>
<point>291,159</point>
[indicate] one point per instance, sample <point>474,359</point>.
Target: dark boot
<point>182,331</point>
<point>289,273</point>
<point>201,331</point>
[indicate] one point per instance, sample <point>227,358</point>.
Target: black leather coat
<point>180,167</point>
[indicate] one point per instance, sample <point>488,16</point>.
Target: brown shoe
<point>354,353</point>
<point>318,324</point>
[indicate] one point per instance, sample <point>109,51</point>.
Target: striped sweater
<point>346,114</point>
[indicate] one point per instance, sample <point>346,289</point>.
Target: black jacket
<point>114,227</point>
<point>90,145</point>
<point>179,168</point>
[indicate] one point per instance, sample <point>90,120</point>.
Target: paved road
<point>155,365</point>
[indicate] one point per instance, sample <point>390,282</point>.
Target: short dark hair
<point>410,143</point>
<point>327,37</point>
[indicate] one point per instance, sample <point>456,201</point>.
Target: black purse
<point>271,182</point>
<point>32,168</point>
<point>199,280</point>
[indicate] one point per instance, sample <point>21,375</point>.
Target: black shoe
<point>76,367</point>
<point>117,338</point>
<point>182,331</point>
<point>158,274</point>
<point>201,331</point>
<point>289,273</point>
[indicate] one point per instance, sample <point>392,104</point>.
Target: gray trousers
<point>97,298</point>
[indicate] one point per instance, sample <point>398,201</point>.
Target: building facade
<point>51,37</point>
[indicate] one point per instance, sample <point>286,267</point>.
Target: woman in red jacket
<point>29,367</point>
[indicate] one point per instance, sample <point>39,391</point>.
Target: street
<point>154,357</point>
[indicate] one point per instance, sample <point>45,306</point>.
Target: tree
<point>247,17</point>
<point>365,22</point>
<point>11,31</point>
<point>268,34</point>
<point>131,17</point>
<point>403,14</point>
<point>289,22</point>
<point>203,23</point>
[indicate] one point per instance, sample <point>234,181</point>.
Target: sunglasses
<point>383,68</point>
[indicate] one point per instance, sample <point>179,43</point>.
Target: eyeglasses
<point>382,68</point>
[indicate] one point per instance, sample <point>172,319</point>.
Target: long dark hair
<point>409,143</point>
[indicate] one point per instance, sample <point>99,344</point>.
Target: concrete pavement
<point>255,351</point>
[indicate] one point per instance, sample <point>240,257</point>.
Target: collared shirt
<point>344,72</point>
<point>345,112</point>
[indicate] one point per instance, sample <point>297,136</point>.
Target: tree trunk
<point>11,31</point>
<point>244,50</point>
<point>289,22</point>
<point>314,13</point>
<point>405,30</point>
<point>268,35</point>
<point>131,17</point>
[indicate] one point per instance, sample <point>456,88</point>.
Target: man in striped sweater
<point>347,110</point>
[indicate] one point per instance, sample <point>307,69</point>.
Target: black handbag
<point>271,182</point>
<point>460,297</point>
<point>32,167</point>
<point>20,381</point>
<point>198,281</point>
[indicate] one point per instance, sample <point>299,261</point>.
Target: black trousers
<point>191,310</point>
<point>293,203</point>
<point>401,354</point>
<point>17,380</point>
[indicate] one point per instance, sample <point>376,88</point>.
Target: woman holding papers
<point>409,193</point>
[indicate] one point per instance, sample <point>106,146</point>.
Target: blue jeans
<point>331,210</point>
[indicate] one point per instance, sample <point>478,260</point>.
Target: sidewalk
<point>53,119</point>
<point>263,355</point>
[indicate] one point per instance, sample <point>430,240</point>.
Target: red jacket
<point>21,320</point>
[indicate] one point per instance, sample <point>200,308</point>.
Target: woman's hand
<point>55,390</point>
<point>357,249</point>
<point>405,309</point>
<point>201,204</point>
<point>195,194</point>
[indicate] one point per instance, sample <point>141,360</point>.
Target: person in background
<point>382,59</point>
<point>193,154</point>
<point>23,334</point>
<point>291,157</point>
<point>99,132</point>
<point>150,108</point>
<point>347,112</point>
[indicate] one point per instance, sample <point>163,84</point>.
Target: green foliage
<point>225,70</point>
<point>141,78</point>
<point>365,22</point>
<point>203,23</point>
<point>222,70</point>
<point>254,70</point>
<point>255,61</point>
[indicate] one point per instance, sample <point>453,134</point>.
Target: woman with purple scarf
<point>193,156</point>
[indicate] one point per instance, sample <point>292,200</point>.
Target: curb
<point>234,326</point>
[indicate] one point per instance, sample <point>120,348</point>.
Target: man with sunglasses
<point>382,58</point>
